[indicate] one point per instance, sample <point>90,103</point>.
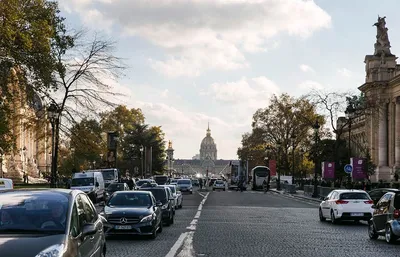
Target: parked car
<point>219,185</point>
<point>165,199</point>
<point>133,212</point>
<point>56,222</point>
<point>185,185</point>
<point>386,218</point>
<point>177,195</point>
<point>114,187</point>
<point>346,204</point>
<point>377,194</point>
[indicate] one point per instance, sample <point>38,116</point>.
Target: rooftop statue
<point>382,39</point>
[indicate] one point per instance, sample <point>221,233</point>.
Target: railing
<point>322,191</point>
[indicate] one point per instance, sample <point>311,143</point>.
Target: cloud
<point>200,35</point>
<point>306,68</point>
<point>345,72</point>
<point>309,84</point>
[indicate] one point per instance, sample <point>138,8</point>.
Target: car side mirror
<point>97,184</point>
<point>88,230</point>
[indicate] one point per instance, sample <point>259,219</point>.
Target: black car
<point>133,212</point>
<point>165,198</point>
<point>386,218</point>
<point>114,187</point>
<point>377,194</point>
<point>57,222</point>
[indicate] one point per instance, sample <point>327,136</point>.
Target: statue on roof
<point>382,39</point>
<point>169,144</point>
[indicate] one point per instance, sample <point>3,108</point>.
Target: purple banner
<point>358,168</point>
<point>328,170</point>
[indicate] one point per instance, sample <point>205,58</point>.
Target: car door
<point>85,245</point>
<point>325,207</point>
<point>332,202</point>
<point>381,212</point>
<point>92,218</point>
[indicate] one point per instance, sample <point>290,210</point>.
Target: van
<point>6,183</point>
<point>92,183</point>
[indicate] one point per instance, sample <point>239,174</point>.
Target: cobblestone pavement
<point>127,246</point>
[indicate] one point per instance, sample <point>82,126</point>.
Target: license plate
<point>123,227</point>
<point>357,214</point>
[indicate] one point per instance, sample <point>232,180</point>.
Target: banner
<point>359,172</point>
<point>328,170</point>
<point>272,167</point>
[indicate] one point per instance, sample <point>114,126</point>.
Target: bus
<point>259,173</point>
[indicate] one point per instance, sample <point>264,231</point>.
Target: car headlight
<point>165,206</point>
<point>148,218</point>
<point>52,251</point>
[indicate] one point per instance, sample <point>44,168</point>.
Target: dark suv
<point>386,218</point>
<point>164,196</point>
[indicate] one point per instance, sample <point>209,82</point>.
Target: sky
<point>194,62</point>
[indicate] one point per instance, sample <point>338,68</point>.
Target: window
<point>90,212</point>
<point>75,228</point>
<point>354,196</point>
<point>384,202</point>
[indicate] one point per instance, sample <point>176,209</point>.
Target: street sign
<point>348,168</point>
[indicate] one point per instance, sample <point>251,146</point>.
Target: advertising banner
<point>328,170</point>
<point>359,172</point>
<point>272,167</point>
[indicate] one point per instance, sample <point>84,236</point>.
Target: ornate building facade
<point>206,163</point>
<point>30,155</point>
<point>378,129</point>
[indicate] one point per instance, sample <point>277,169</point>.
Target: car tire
<point>371,231</point>
<point>171,220</point>
<point>180,206</point>
<point>333,219</point>
<point>390,238</point>
<point>321,217</point>
<point>160,227</point>
<point>191,192</point>
<point>154,234</point>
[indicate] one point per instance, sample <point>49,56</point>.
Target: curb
<point>297,196</point>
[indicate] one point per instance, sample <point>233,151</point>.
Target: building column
<point>397,133</point>
<point>383,135</point>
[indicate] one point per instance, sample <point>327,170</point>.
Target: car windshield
<point>172,189</point>
<point>82,182</point>
<point>219,182</point>
<point>354,196</point>
<point>158,193</point>
<point>396,201</point>
<point>33,212</point>
<point>108,175</point>
<point>141,182</point>
<point>115,187</point>
<point>184,182</point>
<point>129,200</point>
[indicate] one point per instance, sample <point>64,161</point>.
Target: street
<point>251,223</point>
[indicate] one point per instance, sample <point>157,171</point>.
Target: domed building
<point>208,148</point>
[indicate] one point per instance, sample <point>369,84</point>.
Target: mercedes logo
<point>123,220</point>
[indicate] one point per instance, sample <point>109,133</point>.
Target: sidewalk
<point>299,195</point>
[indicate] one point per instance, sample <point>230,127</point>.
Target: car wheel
<point>103,253</point>
<point>321,216</point>
<point>191,192</point>
<point>371,231</point>
<point>180,206</point>
<point>160,227</point>
<point>389,236</point>
<point>154,235</point>
<point>333,219</point>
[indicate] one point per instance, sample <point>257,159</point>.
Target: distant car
<point>386,218</point>
<point>346,204</point>
<point>144,183</point>
<point>114,187</point>
<point>133,212</point>
<point>56,222</point>
<point>185,185</point>
<point>195,182</point>
<point>219,185</point>
<point>376,194</point>
<point>164,197</point>
<point>177,195</point>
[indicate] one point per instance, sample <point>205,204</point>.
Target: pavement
<point>230,223</point>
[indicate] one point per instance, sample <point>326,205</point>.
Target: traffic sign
<point>348,168</point>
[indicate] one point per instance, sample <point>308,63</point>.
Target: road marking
<point>186,238</point>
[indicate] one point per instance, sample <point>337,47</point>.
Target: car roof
<point>132,192</point>
<point>387,189</point>
<point>349,191</point>
<point>46,191</point>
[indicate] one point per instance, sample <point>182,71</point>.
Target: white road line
<point>187,237</point>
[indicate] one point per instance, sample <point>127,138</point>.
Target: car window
<point>384,201</point>
<point>354,196</point>
<point>90,211</point>
<point>75,228</point>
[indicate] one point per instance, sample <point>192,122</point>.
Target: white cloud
<point>306,68</point>
<point>199,35</point>
<point>345,72</point>
<point>309,85</point>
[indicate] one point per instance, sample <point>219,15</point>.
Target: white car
<point>177,196</point>
<point>346,204</point>
<point>219,184</point>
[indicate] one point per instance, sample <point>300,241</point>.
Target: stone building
<point>378,129</point>
<point>31,153</point>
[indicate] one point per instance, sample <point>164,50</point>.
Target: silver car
<point>177,195</point>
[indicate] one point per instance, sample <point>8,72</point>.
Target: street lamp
<point>141,160</point>
<point>54,115</point>
<point>1,163</point>
<point>293,138</point>
<point>316,127</point>
<point>278,186</point>
<point>349,116</point>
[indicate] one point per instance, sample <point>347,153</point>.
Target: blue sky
<point>197,61</point>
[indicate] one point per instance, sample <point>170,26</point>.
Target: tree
<point>253,146</point>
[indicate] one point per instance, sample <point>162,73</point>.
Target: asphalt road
<point>252,224</point>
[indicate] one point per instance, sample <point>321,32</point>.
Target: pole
<point>293,162</point>
<point>315,193</point>
<point>52,178</point>
<point>348,175</point>
<point>1,165</point>
<point>141,164</point>
<point>278,185</point>
<point>151,161</point>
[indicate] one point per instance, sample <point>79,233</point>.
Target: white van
<point>92,183</point>
<point>6,183</point>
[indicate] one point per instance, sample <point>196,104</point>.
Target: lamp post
<point>316,127</point>
<point>278,185</point>
<point>54,115</point>
<point>293,138</point>
<point>349,116</point>
<point>1,163</point>
<point>141,160</point>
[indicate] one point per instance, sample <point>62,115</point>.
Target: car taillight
<point>369,202</point>
<point>341,202</point>
<point>396,214</point>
